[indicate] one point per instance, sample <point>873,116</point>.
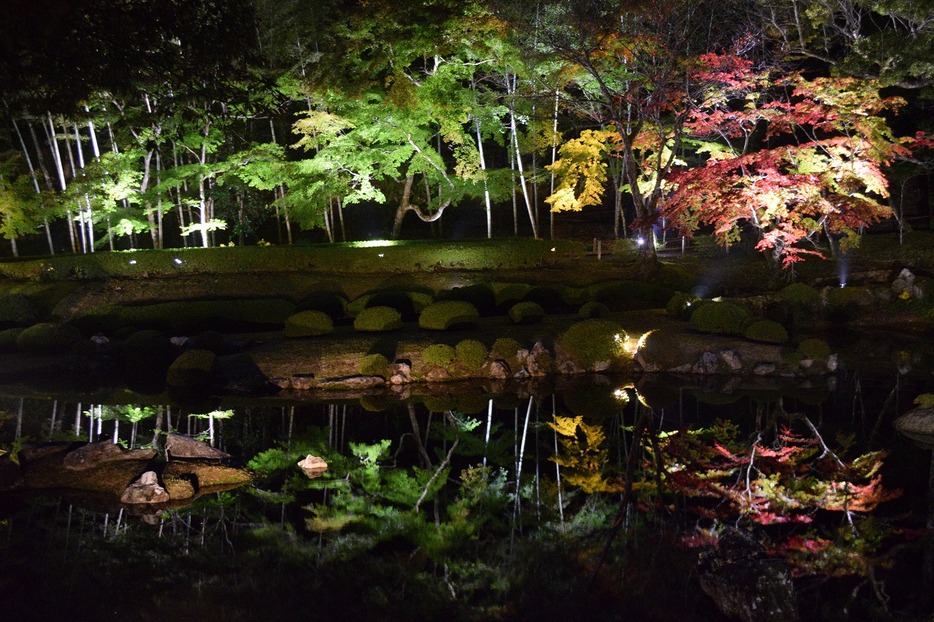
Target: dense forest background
<point>158,123</point>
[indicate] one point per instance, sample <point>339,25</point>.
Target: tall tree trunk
<point>515,143</point>
<point>57,158</point>
<point>486,185</point>
<point>35,182</point>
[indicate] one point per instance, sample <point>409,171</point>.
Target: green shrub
<point>845,303</point>
<point>629,295</point>
<point>814,348</point>
<point>47,337</point>
<point>681,305</point>
<point>399,300</point>
<point>334,305</point>
<point>766,331</point>
<point>439,355</point>
<point>505,348</point>
<point>722,318</point>
<point>471,354</point>
<point>145,348</point>
<point>16,310</point>
<point>479,295</point>
<point>526,313</point>
<point>191,370</point>
<point>800,294</point>
<point>374,365</point>
<point>448,314</point>
<point>8,339</point>
<point>592,341</point>
<point>308,324</point>
<point>355,306</point>
<point>593,309</point>
<point>420,300</point>
<point>378,319</point>
<point>509,293</point>
<point>551,299</point>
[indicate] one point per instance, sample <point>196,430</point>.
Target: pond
<point>602,499</point>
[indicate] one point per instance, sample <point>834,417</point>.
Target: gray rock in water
<point>918,425</point>
<point>145,491</point>
<point>731,360</point>
<point>499,370</point>
<point>94,454</point>
<point>179,446</point>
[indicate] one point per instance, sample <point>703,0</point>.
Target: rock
<point>904,285</point>
<point>179,488</point>
<point>401,372</point>
<point>832,362</point>
<point>302,382</point>
<point>437,375</point>
<point>95,454</point>
<point>731,360</point>
<point>206,477</point>
<point>764,369</point>
<point>282,383</point>
<point>351,382</point>
<point>601,366</point>
<point>313,466</point>
<point>744,582</point>
<point>185,447</point>
<point>145,490</point>
<point>918,425</point>
<point>706,364</point>
<point>499,370</point>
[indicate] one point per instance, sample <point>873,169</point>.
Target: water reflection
<point>601,498</point>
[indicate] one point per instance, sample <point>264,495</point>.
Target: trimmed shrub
<point>448,314</point>
<point>471,354</point>
<point>721,318</point>
<point>145,349</point>
<point>374,365</point>
<point>844,303</point>
<point>592,341</point>
<point>47,337</point>
<point>332,304</point>
<point>479,295</point>
<point>16,310</point>
<point>398,300</point>
<point>814,348</point>
<point>308,324</point>
<point>8,339</point>
<point>355,306</point>
<point>420,300</point>
<point>192,369</point>
<point>508,294</point>
<point>766,331</point>
<point>629,295</point>
<point>550,299</point>
<point>378,319</point>
<point>593,309</point>
<point>681,305</point>
<point>439,355</point>
<point>661,349</point>
<point>800,294</point>
<point>526,313</point>
<point>506,349</point>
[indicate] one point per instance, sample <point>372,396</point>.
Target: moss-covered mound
<point>722,318</point>
<point>192,370</point>
<point>308,324</point>
<point>526,313</point>
<point>333,304</point>
<point>48,338</point>
<point>439,355</point>
<point>470,354</point>
<point>480,295</point>
<point>448,314</point>
<point>593,309</point>
<point>631,295</point>
<point>681,305</point>
<point>16,310</point>
<point>766,331</point>
<point>191,316</point>
<point>377,320</point>
<point>374,365</point>
<point>800,295</point>
<point>593,344</point>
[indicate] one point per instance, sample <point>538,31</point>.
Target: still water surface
<point>598,501</point>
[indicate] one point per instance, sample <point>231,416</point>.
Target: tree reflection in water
<point>542,507</point>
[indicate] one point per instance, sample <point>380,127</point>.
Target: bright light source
<point>374,243</point>
<point>620,394</point>
<point>381,255</point>
<point>132,262</point>
<point>177,261</point>
<point>640,241</point>
<point>553,249</point>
